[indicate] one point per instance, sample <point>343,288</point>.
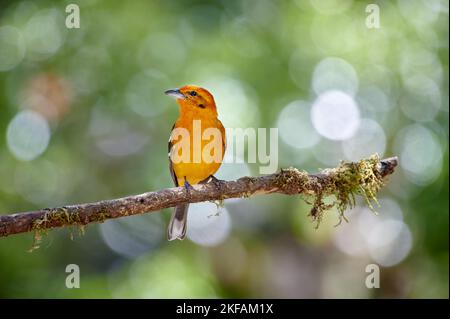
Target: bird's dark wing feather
<point>172,172</point>
<point>224,138</point>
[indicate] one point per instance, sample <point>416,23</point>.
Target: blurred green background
<point>84,118</point>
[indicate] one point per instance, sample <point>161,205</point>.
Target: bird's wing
<point>224,138</point>
<point>172,172</point>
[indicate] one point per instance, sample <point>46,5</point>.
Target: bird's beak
<point>175,93</point>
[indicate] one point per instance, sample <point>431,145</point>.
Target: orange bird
<point>196,147</point>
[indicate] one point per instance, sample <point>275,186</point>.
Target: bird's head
<point>194,98</point>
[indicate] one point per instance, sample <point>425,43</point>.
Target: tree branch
<point>364,178</point>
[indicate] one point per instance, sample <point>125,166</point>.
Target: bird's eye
<point>193,93</point>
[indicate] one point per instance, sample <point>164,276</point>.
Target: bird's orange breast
<point>204,145</point>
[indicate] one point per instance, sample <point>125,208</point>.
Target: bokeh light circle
<point>373,101</point>
<point>328,152</point>
<point>40,182</point>
<point>133,236</point>
<point>28,135</point>
<point>208,225</point>
<point>294,125</point>
<point>423,100</point>
<point>334,74</point>
<point>236,107</point>
<point>335,115</point>
<point>44,34</point>
<point>420,154</point>
<point>389,242</point>
<point>12,47</point>
<point>144,93</point>
<point>368,139</point>
<point>385,237</point>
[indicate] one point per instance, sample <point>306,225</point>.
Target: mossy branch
<point>363,178</point>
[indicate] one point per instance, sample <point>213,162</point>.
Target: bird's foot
<point>187,187</point>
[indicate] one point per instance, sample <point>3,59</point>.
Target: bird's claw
<point>187,187</point>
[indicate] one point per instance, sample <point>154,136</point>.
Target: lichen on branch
<point>348,179</point>
<point>345,181</point>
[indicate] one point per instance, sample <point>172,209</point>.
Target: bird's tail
<point>178,223</point>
